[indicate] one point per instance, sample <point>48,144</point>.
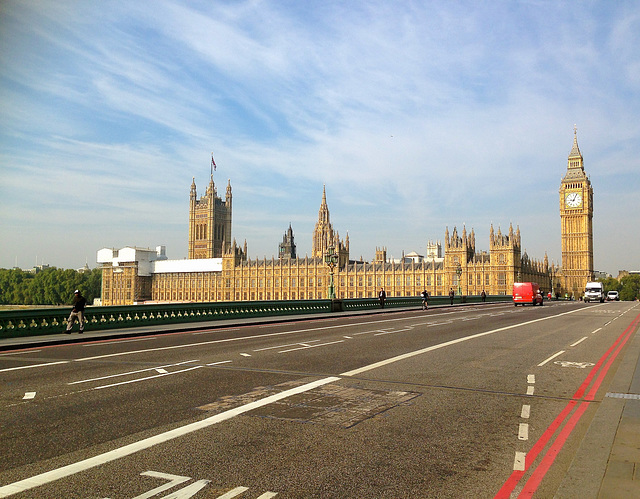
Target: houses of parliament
<point>218,269</point>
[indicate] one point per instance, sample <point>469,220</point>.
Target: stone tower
<point>576,218</point>
<point>324,237</point>
<point>209,222</point>
<point>287,248</point>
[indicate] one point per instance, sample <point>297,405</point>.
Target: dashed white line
<point>594,332</point>
<point>550,358</point>
<point>147,378</point>
<point>523,431</point>
<point>518,462</point>
<point>29,395</point>
<point>526,411</point>
<point>531,379</point>
<point>531,390</point>
<point>578,342</point>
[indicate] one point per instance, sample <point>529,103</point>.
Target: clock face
<point>573,200</point>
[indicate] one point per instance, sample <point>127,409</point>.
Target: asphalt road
<point>442,403</point>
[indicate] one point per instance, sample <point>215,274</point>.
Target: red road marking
<point>541,470</point>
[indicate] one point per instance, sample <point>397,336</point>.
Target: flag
<point>213,163</point>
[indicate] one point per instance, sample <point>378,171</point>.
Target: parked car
<point>613,296</point>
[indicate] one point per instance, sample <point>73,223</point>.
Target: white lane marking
<point>408,355</point>
<point>348,337</point>
<point>282,346</point>
<point>578,342</point>
<point>246,354</point>
<point>34,365</point>
<point>189,491</point>
<point>19,353</point>
<point>526,411</point>
<point>267,495</point>
<point>311,346</point>
<point>233,493</point>
<point>129,373</point>
<point>147,378</point>
<point>530,390</point>
<point>594,332</point>
<point>29,396</point>
<point>394,331</point>
<point>550,358</point>
<point>531,379</point>
<point>92,462</point>
<point>161,370</point>
<point>518,462</point>
<point>261,336</point>
<point>523,431</point>
<point>174,480</point>
<point>220,362</point>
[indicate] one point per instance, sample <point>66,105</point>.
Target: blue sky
<point>415,115</point>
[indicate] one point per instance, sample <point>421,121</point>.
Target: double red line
<point>598,372</point>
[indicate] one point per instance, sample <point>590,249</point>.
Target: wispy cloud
<point>415,116</point>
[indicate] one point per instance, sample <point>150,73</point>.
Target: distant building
<point>218,269</point>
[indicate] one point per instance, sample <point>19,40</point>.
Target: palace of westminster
<point>217,269</point>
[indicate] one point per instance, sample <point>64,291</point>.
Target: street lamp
<point>459,272</point>
<point>331,259</point>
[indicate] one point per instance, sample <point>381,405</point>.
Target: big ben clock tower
<point>576,217</point>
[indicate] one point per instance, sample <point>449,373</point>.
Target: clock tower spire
<point>576,218</point>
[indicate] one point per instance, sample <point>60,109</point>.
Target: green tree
<point>630,287</point>
<point>610,284</point>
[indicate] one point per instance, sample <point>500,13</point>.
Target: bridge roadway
<point>484,400</point>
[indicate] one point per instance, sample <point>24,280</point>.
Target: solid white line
<point>311,346</point>
<point>523,431</point>
<point>92,462</point>
<point>518,462</point>
<point>526,411</point>
<point>148,377</point>
<point>29,396</point>
<point>550,358</point>
<point>408,355</point>
<point>128,373</point>
<point>233,493</point>
<point>259,336</point>
<point>578,342</point>
<point>220,362</point>
<point>34,365</point>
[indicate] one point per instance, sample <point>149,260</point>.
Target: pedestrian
<point>483,295</point>
<point>77,313</point>
<point>425,300</point>
<point>451,295</point>
<point>382,296</point>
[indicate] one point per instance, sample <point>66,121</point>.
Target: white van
<point>594,291</point>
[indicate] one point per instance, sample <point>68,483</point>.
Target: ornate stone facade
<point>219,270</point>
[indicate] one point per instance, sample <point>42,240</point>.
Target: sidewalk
<point>606,466</point>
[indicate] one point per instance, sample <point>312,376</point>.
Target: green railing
<point>42,321</point>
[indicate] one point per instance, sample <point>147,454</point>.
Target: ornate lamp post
<point>331,259</point>
<point>459,272</point>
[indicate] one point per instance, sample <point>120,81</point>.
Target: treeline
<point>628,286</point>
<point>50,286</point>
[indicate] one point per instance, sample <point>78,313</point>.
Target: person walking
<point>451,295</point>
<point>77,313</point>
<point>483,295</point>
<point>425,300</point>
<point>382,296</point>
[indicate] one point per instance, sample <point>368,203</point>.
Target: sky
<point>415,116</point>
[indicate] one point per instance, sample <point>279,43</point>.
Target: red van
<point>526,292</point>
